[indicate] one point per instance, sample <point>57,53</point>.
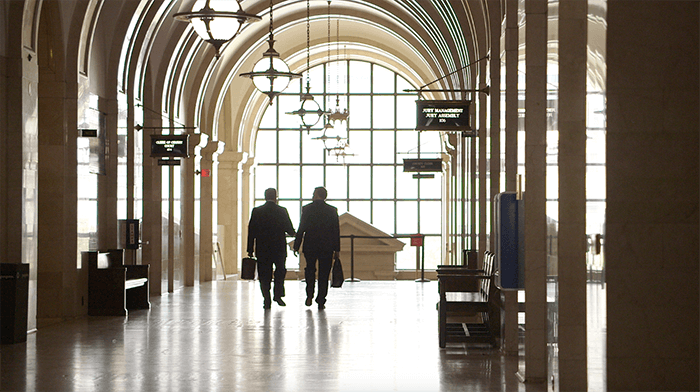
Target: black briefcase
<point>337,277</point>
<point>248,268</point>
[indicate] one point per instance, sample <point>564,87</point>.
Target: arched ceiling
<point>422,40</point>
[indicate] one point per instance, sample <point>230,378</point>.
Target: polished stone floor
<point>373,336</point>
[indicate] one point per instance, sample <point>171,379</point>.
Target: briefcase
<point>337,277</point>
<point>248,268</point>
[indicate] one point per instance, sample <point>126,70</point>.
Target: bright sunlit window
<point>360,161</point>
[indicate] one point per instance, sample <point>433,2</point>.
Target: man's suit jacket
<point>266,230</point>
<point>319,228</point>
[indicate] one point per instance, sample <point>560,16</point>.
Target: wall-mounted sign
<point>129,237</point>
<point>87,132</point>
<point>422,165</point>
<point>168,162</point>
<point>417,240</point>
<point>442,115</point>
<point>169,146</point>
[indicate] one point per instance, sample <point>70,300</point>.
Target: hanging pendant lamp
<point>271,74</point>
<point>328,124</point>
<point>215,25</point>
<point>337,114</point>
<point>310,111</point>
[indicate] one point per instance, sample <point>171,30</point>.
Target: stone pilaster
<point>573,348</point>
<point>651,239</point>
<point>229,200</point>
<point>535,195</point>
<point>510,51</point>
<point>187,206</point>
<point>205,214</point>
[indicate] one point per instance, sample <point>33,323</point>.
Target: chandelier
<point>214,26</point>
<point>271,74</point>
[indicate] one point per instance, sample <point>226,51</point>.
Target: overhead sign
<point>169,146</point>
<point>442,115</point>
<point>422,165</point>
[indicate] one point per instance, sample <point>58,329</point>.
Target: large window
<point>363,171</point>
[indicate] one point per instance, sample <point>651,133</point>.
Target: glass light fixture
<point>337,114</point>
<point>271,74</point>
<point>215,25</point>
<point>310,111</point>
<point>328,124</point>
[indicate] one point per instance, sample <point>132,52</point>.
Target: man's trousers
<point>325,262</point>
<point>265,263</point>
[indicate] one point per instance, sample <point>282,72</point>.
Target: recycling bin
<point>15,298</point>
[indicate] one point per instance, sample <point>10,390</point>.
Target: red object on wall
<point>417,240</point>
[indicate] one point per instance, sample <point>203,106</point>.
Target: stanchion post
<point>420,250</point>
<point>352,260</point>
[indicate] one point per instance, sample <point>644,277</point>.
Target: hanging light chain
<point>337,64</point>
<point>308,42</point>
<point>271,26</point>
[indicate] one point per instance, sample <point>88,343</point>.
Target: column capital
<point>232,160</point>
<point>210,148</point>
<point>233,157</point>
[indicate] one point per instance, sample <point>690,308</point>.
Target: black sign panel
<point>422,165</point>
<point>168,162</point>
<point>169,146</point>
<point>442,115</point>
<point>129,237</point>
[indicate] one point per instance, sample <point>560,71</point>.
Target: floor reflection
<point>373,336</point>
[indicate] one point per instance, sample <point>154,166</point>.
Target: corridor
<point>373,336</point>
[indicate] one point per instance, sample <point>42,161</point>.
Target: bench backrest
<point>485,285</point>
<point>113,258</point>
<point>458,279</point>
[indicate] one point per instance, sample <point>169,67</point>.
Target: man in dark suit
<point>266,240</point>
<point>319,230</point>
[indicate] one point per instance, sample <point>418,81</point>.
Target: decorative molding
<point>87,33</point>
<point>30,25</point>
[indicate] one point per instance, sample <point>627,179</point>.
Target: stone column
<point>187,208</point>
<point>246,202</point>
<point>229,207</point>
<point>470,144</point>
<point>483,165</point>
<point>651,239</point>
<point>206,211</point>
<point>495,108</point>
<point>447,248</point>
<point>510,51</point>
<point>60,293</point>
<point>511,94</point>
<point>152,224</point>
<point>573,41</point>
<point>535,195</point>
<point>20,76</point>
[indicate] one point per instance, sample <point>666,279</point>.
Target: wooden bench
<point>115,288</point>
<point>468,310</point>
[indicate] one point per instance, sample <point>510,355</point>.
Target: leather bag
<point>337,277</point>
<point>248,268</point>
